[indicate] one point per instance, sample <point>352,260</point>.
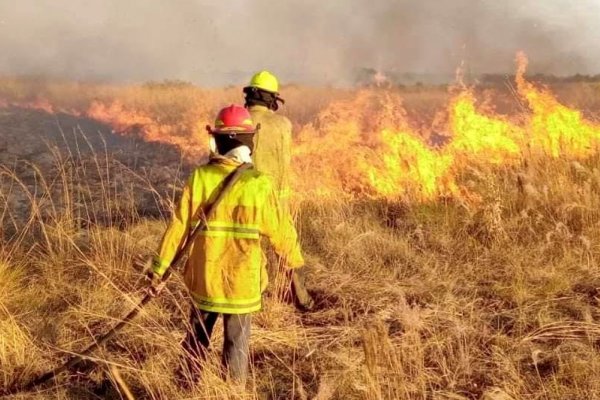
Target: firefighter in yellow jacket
<point>225,270</point>
<point>272,144</point>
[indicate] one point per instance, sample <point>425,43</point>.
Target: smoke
<point>313,41</point>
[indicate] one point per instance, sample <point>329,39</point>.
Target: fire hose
<point>209,210</point>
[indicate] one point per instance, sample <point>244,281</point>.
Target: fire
<point>169,114</point>
<point>395,161</point>
<point>366,145</point>
<point>388,158</point>
<point>555,129</point>
<point>40,104</point>
<point>410,168</point>
<point>337,137</point>
<point>190,138</point>
<point>479,137</point>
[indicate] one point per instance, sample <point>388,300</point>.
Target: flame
<point>337,137</point>
<point>555,129</point>
<point>366,145</point>
<point>392,159</point>
<point>188,136</point>
<point>410,168</point>
<point>39,104</point>
<point>169,113</point>
<point>377,152</point>
<point>479,137</point>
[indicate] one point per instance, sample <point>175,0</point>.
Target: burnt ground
<point>102,166</point>
<point>30,134</point>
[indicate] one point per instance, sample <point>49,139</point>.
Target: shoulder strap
<point>209,209</point>
<point>218,194</point>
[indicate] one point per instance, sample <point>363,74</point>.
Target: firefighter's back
<point>272,151</point>
<point>225,265</point>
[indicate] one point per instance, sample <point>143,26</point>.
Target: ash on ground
<point>53,165</point>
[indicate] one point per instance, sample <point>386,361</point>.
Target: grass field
<point>462,270</point>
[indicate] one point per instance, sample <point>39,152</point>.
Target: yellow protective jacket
<point>226,267</point>
<point>273,148</point>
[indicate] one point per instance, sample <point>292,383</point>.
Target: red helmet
<point>233,119</point>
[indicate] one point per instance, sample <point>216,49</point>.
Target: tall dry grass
<point>418,301</point>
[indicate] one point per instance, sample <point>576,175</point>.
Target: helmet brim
<point>246,88</point>
<point>230,131</point>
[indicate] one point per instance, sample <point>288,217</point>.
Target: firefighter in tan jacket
<point>273,156</point>
<point>273,143</point>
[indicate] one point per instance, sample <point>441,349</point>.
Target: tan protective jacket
<point>273,148</point>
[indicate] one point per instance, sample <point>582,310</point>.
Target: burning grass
<point>384,150</point>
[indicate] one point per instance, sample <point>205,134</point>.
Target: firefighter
<point>272,150</point>
<point>272,156</point>
<point>225,270</point>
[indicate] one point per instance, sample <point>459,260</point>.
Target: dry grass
<point>441,300</point>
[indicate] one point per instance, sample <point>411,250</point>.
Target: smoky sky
<point>311,41</point>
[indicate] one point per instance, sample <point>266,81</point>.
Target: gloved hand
<point>304,301</point>
<point>155,282</point>
<point>157,288</point>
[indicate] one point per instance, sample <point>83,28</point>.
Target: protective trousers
<point>236,342</point>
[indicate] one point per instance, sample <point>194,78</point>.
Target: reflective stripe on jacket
<point>273,147</point>
<point>225,271</point>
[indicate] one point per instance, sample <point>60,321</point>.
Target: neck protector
<point>258,97</point>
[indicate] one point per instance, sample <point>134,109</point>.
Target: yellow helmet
<point>266,81</point>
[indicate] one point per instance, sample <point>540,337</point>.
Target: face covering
<point>225,143</point>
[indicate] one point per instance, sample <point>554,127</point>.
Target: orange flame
<point>479,137</point>
<point>555,129</point>
<point>399,163</point>
<point>40,104</point>
<point>394,160</point>
<point>410,168</point>
<point>190,138</point>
